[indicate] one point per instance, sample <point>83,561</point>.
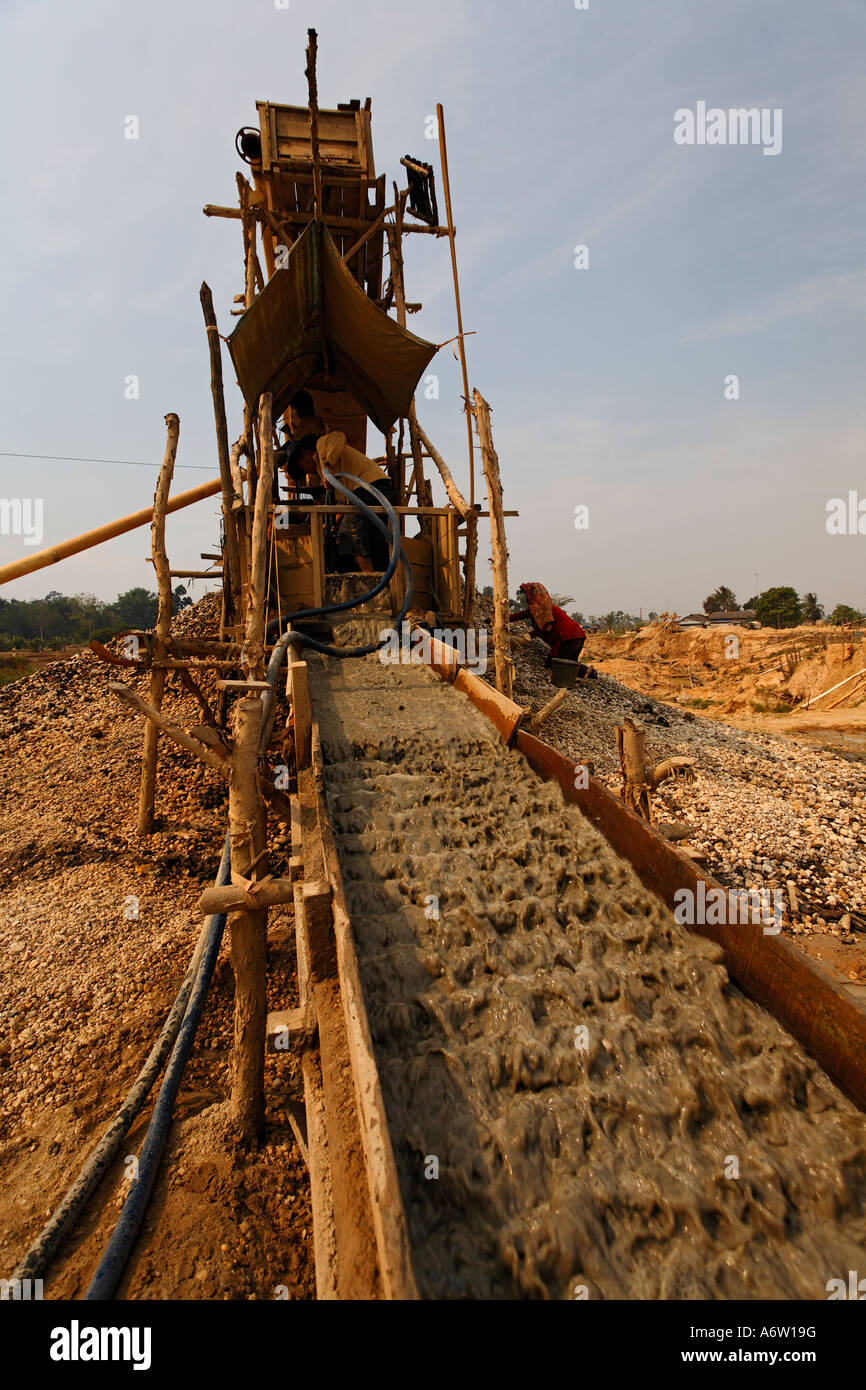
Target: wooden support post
<point>229,495</point>
<point>631,747</point>
<point>501,644</point>
<point>254,637</point>
<point>147,787</point>
<point>317,540</point>
<point>247,832</point>
<point>312,44</point>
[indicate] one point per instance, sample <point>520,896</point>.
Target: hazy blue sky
<point>606,384</point>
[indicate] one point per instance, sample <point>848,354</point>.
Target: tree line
<point>781,606</point>
<point>60,620</point>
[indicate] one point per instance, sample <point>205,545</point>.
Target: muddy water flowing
<point>605,1111</point>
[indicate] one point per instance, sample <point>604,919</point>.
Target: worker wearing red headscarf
<point>562,634</point>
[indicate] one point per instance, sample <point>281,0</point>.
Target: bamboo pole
<point>443,155</point>
<point>253,655</point>
<point>815,698</point>
<point>501,644</point>
<point>53,553</point>
<point>229,495</point>
<point>247,835</point>
<point>158,677</point>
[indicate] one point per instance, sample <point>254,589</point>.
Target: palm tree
<point>813,611</point>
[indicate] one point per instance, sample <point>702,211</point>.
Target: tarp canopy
<point>312,321</point>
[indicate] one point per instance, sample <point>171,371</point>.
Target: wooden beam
<point>236,897</point>
<point>173,731</point>
<point>213,210</point>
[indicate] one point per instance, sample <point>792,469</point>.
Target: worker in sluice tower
<point>358,541</point>
<point>562,634</point>
<point>302,417</point>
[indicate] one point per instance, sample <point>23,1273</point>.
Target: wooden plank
<point>313,905</point>
<point>501,711</point>
<point>357,1273</point>
<point>321,1186</point>
<point>389,1220</point>
<point>302,710</point>
<point>318,562</point>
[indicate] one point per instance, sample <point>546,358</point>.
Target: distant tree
<point>721,600</point>
<point>843,613</point>
<point>136,608</point>
<point>812,609</point>
<point>487,591</point>
<point>562,600</point>
<point>652,616</point>
<point>618,621</point>
<point>577,618</point>
<point>778,607</point>
<point>180,598</point>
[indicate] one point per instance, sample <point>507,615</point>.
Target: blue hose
<point>110,1269</point>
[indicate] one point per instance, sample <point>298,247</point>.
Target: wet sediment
<point>605,1111</point>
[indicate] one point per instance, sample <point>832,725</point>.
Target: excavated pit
<point>682,1146</point>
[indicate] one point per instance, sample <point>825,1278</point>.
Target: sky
<point>607,382</point>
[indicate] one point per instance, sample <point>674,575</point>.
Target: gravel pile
<point>96,930</point>
<point>767,812</point>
